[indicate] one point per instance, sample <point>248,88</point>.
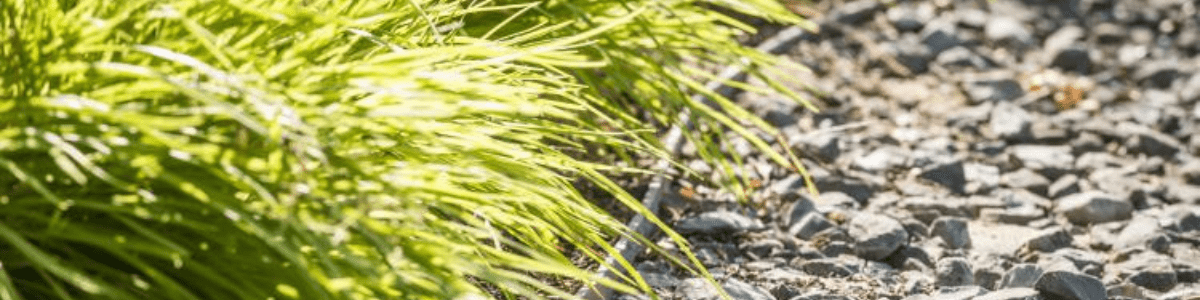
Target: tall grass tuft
<point>337,149</point>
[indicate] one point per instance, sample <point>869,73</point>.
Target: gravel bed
<point>967,150</point>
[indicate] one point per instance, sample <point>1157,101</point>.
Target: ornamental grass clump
<point>338,149</point>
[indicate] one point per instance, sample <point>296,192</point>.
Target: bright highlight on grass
<point>337,149</point>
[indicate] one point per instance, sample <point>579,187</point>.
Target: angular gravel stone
<point>1129,291</point>
<point>1011,122</point>
<point>1093,207</point>
<point>960,56</point>
<point>696,288</point>
<point>909,17</point>
<point>981,177</point>
<point>999,239</point>
<point>949,175</point>
<point>881,159</point>
<point>987,275</point>
<point>952,231</point>
<point>1158,74</point>
<point>1137,232</point>
<point>927,209</point>
<point>718,223</point>
<point>856,12</point>
<point>1150,270</point>
<point>906,92</point>
<point>1018,197</point>
<point>1062,38</point>
<point>825,146</point>
<point>1160,278</point>
<point>1021,293</point>
<point>1180,192</point>
<point>822,295</point>
<point>801,206</point>
<point>1076,260</point>
<point>965,292</point>
<point>1070,285</point>
<point>1049,240</point>
<point>1007,31</point>
<point>1019,215</point>
<point>1065,185</point>
<point>1086,142</point>
<point>761,248</point>
<point>938,36</point>
<point>1191,90</point>
<point>1072,59</point>
<point>1188,221</point>
<point>1049,132</point>
<point>825,267</point>
<point>1025,179</point>
<point>659,280</point>
<point>1152,143</point>
<point>1116,181</point>
<point>910,53</point>
<point>809,226</point>
<point>1039,157</point>
<point>1128,55</point>
<point>1021,276</point>
<point>1109,33</point>
<point>907,254</point>
<point>954,271</point>
<point>993,90</point>
<point>740,290</point>
<point>876,236</point>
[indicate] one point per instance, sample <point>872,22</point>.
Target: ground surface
<point>970,150</point>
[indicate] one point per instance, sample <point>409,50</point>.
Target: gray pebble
<point>1063,186</point>
<point>810,225</point>
<point>881,159</point>
<point>960,56</point>
<point>1021,276</point>
<point>1049,240</point>
<point>1007,31</point>
<point>992,90</point>
<point>909,17</point>
<point>1137,232</point>
<point>949,175</point>
<point>876,236</point>
<point>740,290</point>
<point>826,267</point>
<point>964,292</point>
<point>696,288</point>
<point>800,206</point>
<point>856,12</point>
<point>1021,293</point>
<point>1026,179</point>
<point>1040,157</point>
<point>1010,122</point>
<point>1071,285</point>
<point>954,271</point>
<point>952,231</point>
<point>1151,270</point>
<point>1158,74</point>
<point>717,223</point>
<point>1093,207</point>
<point>1072,59</point>
<point>939,35</point>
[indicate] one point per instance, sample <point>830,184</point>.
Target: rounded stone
<point>954,271</point>
<point>952,231</point>
<point>876,236</point>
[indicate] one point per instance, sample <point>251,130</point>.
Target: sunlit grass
<point>335,149</point>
